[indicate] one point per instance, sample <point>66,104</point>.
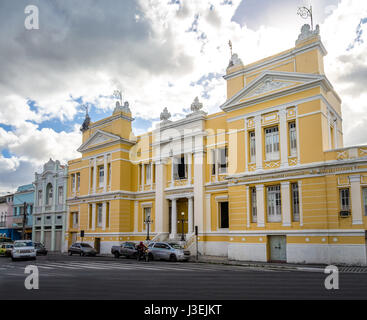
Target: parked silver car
<point>83,249</point>
<point>167,251</point>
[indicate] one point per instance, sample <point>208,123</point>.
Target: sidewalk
<point>278,266</point>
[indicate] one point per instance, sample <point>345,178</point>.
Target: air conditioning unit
<point>345,213</point>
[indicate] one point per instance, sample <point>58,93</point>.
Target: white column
<point>105,173</point>
<point>42,228</point>
<point>151,175</point>
<point>94,216</point>
<point>174,219</point>
<point>161,208</point>
<point>336,134</point>
<point>260,205</point>
<point>139,180</point>
<point>355,190</point>
<point>298,139</point>
<point>53,232</point>
<point>248,206</point>
<point>190,215</point>
<point>258,137</point>
<point>142,176</point>
<point>94,175</point>
<point>104,215</point>
<point>90,178</point>
<point>283,138</point>
<point>286,204</point>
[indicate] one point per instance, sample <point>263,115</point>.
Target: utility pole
<point>24,219</point>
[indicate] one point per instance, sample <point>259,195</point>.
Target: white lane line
<point>60,265</point>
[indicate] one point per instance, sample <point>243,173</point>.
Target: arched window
<point>49,194</point>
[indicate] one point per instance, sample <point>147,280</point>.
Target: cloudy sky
<point>161,53</point>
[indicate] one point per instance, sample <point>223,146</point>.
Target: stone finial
<point>196,106</point>
<point>119,108</point>
<point>235,61</point>
<point>165,115</point>
<point>307,33</point>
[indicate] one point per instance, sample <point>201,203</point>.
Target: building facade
<point>49,218</point>
<point>23,204</point>
<point>266,179</point>
<point>6,217</point>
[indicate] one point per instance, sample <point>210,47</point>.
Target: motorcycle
<point>143,255</point>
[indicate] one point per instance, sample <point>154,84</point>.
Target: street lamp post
<point>148,222</point>
<point>182,220</point>
<point>24,219</point>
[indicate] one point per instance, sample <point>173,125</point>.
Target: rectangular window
<point>293,139</point>
<point>75,220</point>
<point>148,174</point>
<point>223,160</point>
<point>39,198</point>
<point>272,143</point>
<point>224,215</point>
<point>107,215</point>
<point>274,204</point>
<point>180,168</point>
<point>365,200</point>
<point>61,195</point>
<point>147,216</point>
<point>252,147</point>
<point>253,204</point>
<point>99,214</point>
<point>73,182</point>
<point>90,216</point>
<point>101,176</point>
<point>213,162</point>
<point>344,200</point>
<point>78,181</point>
<point>295,201</point>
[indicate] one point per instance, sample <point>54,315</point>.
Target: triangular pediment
<point>269,84</point>
<point>98,139</point>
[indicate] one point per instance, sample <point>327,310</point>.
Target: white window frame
<point>78,181</point>
<point>40,198</point>
<point>99,214</point>
<point>222,167</point>
<point>101,176</point>
<point>293,139</point>
<point>295,202</point>
<point>252,138</point>
<point>364,194</point>
<point>49,194</point>
<point>213,162</point>
<point>176,163</point>
<point>272,143</point>
<point>73,182</point>
<point>148,174</point>
<point>345,200</point>
<point>220,214</point>
<point>60,194</point>
<point>147,211</point>
<point>253,204</point>
<point>274,205</point>
<point>75,220</point>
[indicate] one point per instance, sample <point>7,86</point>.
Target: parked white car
<point>23,250</point>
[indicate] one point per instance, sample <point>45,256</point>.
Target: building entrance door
<point>278,248</point>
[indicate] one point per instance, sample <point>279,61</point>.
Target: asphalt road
<point>63,277</point>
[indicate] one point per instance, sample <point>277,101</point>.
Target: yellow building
<point>265,179</point>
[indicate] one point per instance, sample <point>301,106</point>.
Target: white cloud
<point>154,52</point>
